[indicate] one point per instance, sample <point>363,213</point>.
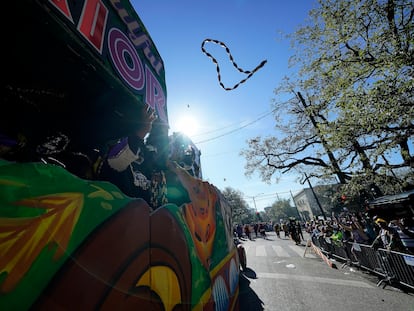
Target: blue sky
<point>221,121</point>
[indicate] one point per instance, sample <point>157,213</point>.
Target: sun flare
<point>187,125</point>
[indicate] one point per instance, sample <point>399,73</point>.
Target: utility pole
<point>294,203</point>
<point>316,198</point>
<point>254,202</point>
<point>255,207</point>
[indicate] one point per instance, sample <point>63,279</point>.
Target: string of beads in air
<point>249,73</point>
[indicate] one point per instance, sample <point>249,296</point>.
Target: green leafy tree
<point>350,108</point>
<point>280,209</point>
<point>241,213</point>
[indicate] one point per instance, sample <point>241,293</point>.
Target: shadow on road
<point>248,299</point>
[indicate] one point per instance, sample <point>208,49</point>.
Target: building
<point>309,207</point>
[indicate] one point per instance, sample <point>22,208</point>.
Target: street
<point>279,277</point>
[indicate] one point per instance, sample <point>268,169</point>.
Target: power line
<point>266,113</point>
<point>268,196</point>
<point>237,129</point>
<point>216,130</point>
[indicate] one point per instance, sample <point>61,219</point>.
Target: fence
<point>391,267</point>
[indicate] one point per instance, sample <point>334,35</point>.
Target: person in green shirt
<point>336,236</point>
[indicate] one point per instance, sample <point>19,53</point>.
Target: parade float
<point>76,76</point>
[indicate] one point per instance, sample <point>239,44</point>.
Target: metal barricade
<point>399,267</point>
<point>338,250</point>
<point>390,266</point>
<point>368,259</point>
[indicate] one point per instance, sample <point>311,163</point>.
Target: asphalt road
<point>279,277</point>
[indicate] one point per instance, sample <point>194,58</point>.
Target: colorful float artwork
<point>69,243</point>
<point>80,71</point>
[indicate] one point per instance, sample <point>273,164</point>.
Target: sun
<point>187,125</point>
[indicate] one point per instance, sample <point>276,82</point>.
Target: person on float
<point>128,162</point>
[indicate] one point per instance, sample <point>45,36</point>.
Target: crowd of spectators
<point>252,230</point>
<point>395,235</point>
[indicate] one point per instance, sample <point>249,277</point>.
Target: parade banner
<point>83,68</point>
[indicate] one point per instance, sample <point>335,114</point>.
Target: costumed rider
<point>182,152</point>
<point>129,163</point>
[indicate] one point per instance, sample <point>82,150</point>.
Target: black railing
<point>391,267</point>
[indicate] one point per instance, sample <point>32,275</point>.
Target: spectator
<point>299,229</point>
<point>315,231</point>
<point>345,229</point>
<point>369,229</point>
<point>336,236</point>
<point>293,232</point>
<point>262,230</point>
<point>357,231</point>
<point>256,228</point>
<point>277,229</point>
<point>285,229</point>
<point>247,231</point>
<point>239,231</point>
<point>387,237</point>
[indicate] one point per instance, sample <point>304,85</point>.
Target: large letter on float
<point>63,7</point>
<point>155,96</point>
<point>125,59</point>
<point>92,23</point>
